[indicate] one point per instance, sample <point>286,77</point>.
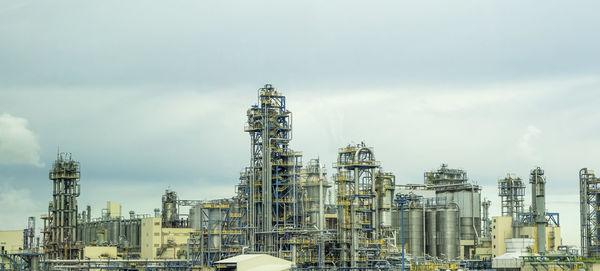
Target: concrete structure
<point>253,262</point>
<point>163,243</point>
<point>502,232</point>
<point>99,252</point>
<point>11,241</point>
<point>113,209</point>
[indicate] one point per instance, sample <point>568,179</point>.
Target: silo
<point>448,227</point>
<point>415,231</point>
<point>114,232</point>
<point>431,231</point>
<point>397,220</point>
<point>135,234</point>
<point>123,231</point>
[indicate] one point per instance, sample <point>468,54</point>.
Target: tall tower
<point>358,213</point>
<point>487,222</point>
<point>589,199</point>
<point>512,191</point>
<point>538,204</point>
<point>273,178</point>
<point>313,179</point>
<point>60,226</point>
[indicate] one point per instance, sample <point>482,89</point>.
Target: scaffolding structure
<point>60,225</point>
<point>358,214</point>
<point>511,190</point>
<point>487,222</point>
<point>273,178</point>
<point>589,200</point>
<point>445,176</point>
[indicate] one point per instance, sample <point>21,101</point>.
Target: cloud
<point>526,144</point>
<point>18,144</point>
<point>17,204</point>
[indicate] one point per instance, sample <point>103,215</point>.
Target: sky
<point>152,95</point>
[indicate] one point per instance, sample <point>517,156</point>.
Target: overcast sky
<point>150,95</point>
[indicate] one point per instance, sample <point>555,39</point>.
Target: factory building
<point>519,233</point>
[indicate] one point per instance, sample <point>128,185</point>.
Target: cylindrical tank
<point>431,232</point>
<point>415,227</point>
<point>135,234</point>
<point>123,232</point>
<point>214,227</point>
<point>115,227</point>
<point>400,228</point>
<point>448,227</point>
<point>385,198</point>
<point>466,228</point>
<point>99,238</point>
<point>195,218</point>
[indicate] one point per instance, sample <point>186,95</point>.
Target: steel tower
<point>357,206</point>
<point>273,177</point>
<point>589,200</point>
<point>60,226</point>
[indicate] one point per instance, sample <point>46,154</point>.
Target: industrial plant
<point>288,213</point>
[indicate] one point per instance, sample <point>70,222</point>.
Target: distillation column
<point>358,214</point>
<point>589,199</point>
<point>538,199</point>
<point>273,176</point>
<point>313,180</point>
<point>512,192</point>
<point>61,223</point>
<point>487,223</point>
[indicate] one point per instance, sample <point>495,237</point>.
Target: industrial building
<point>293,213</point>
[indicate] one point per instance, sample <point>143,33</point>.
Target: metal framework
<point>487,222</point>
<point>29,234</point>
<point>273,177</point>
<point>446,176</point>
<point>589,200</point>
<point>60,225</point>
<point>512,192</point>
<point>358,214</point>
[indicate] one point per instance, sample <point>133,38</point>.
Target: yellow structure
<point>163,243</point>
<point>553,238</point>
<point>11,241</point>
<point>100,252</point>
<point>113,209</point>
<point>484,249</point>
<point>502,230</point>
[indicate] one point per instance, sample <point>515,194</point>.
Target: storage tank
<point>114,232</point>
<point>214,227</point>
<point>415,231</point>
<point>447,227</point>
<point>397,226</point>
<point>135,234</point>
<point>431,232</point>
<point>195,218</point>
<point>385,193</point>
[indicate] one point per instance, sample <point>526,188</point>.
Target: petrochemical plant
<point>288,214</point>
